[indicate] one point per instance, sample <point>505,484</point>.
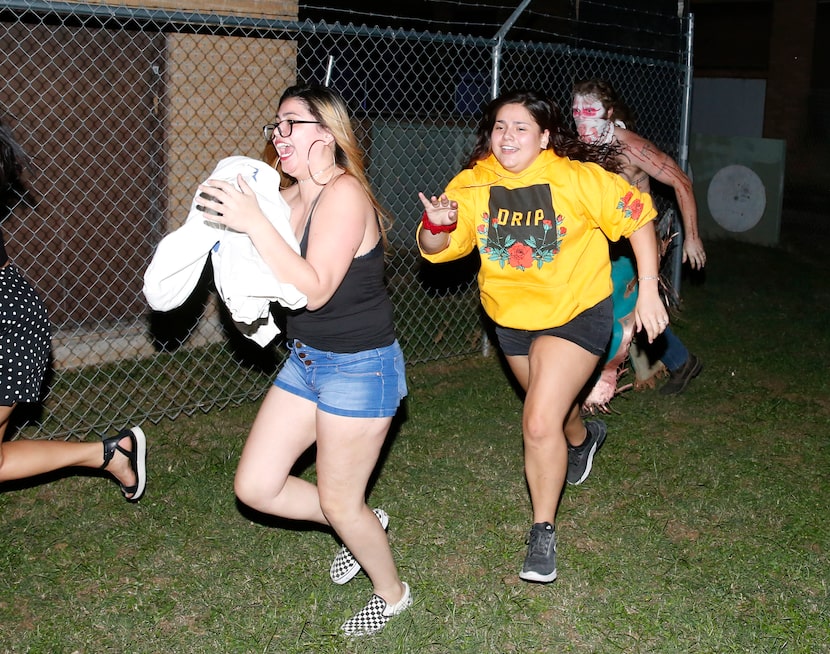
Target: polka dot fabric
<point>25,339</point>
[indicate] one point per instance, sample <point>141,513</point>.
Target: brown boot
<point>679,379</point>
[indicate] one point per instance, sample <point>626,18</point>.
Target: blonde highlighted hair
<point>329,108</point>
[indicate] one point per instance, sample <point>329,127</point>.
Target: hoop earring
<point>311,175</point>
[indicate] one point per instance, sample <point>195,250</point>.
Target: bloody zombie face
<point>593,123</point>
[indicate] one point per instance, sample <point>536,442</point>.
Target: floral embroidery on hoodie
<point>520,229</point>
<point>632,209</point>
<point>520,254</point>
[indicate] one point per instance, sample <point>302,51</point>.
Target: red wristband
<point>436,229</point>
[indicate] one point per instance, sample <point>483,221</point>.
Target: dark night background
<point>774,40</point>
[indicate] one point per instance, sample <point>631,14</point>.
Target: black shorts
<point>591,330</point>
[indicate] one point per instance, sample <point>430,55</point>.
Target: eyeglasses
<point>284,127</point>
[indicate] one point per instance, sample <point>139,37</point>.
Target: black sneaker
<point>679,379</point>
<point>581,459</point>
<point>540,562</point>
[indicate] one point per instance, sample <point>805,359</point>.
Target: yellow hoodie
<point>542,235</point>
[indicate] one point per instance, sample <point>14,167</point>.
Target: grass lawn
<point>703,528</point>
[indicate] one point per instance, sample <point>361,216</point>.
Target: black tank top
<point>357,317</point>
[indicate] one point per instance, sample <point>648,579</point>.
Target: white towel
<point>245,283</point>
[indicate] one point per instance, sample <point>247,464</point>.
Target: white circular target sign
<point>737,198</point>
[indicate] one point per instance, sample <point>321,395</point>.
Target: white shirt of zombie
<point>522,228</point>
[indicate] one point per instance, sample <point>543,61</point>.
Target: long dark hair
<point>13,162</point>
<point>545,113</point>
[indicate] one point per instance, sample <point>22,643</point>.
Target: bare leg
<point>347,452</point>
<point>21,459</point>
<point>553,374</point>
<point>284,428</point>
<point>575,431</point>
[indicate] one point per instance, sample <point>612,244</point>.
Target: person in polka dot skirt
<point>25,340</point>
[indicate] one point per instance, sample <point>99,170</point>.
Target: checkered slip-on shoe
<point>345,566</point>
<point>374,616</point>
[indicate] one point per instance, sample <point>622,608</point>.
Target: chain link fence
<point>125,111</point>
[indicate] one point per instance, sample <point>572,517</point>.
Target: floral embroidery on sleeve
<point>631,208</point>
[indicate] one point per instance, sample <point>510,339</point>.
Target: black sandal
<point>137,457</point>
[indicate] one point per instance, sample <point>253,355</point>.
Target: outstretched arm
<point>657,164</point>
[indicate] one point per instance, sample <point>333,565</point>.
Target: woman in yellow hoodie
<point>540,211</point>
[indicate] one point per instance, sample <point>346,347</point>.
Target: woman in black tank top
<point>344,378</point>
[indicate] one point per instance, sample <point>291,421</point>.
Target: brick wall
<point>221,91</point>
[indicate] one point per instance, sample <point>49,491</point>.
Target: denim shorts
<point>591,330</point>
<point>367,384</point>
